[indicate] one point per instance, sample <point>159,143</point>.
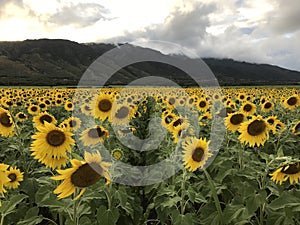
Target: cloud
<point>183,27</point>
<point>242,30</point>
<point>285,17</point>
<point>80,15</point>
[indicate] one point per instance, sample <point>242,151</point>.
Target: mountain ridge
<point>62,62</point>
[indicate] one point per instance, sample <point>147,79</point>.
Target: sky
<point>259,31</point>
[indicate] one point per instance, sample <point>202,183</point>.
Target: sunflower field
<point>144,156</point>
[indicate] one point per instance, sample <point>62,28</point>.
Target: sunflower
<point>248,108</point>
<point>86,109</point>
<point>40,119</point>
<point>93,136</point>
<point>283,173</point>
<point>69,106</point>
<point>279,127</point>
<point>43,106</point>
<point>21,116</point>
<point>291,102</point>
<point>177,122</point>
<point>51,144</point>
<point>15,176</point>
<point>103,107</point>
<point>234,120</point>
<point>3,177</point>
<point>118,154</point>
<point>242,96</point>
<point>296,127</point>
<point>195,153</point>
<point>123,132</point>
<point>203,119</point>
<point>254,132</point>
<point>275,124</point>
<point>180,132</point>
<point>267,106</point>
<point>167,118</point>
<point>6,123</point>
<point>33,109</point>
<point>72,123</point>
<point>202,105</point>
<point>121,114</point>
<point>83,174</point>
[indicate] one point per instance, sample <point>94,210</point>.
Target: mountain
<point>62,62</point>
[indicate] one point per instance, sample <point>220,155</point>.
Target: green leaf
<point>171,202</point>
<point>122,197</point>
<point>287,199</point>
<point>9,206</point>
<point>186,219</point>
<point>31,221</point>
<point>84,220</point>
<point>107,216</point>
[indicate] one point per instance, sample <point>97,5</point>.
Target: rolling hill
<point>62,62</point>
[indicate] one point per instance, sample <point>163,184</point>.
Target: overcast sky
<point>261,31</point>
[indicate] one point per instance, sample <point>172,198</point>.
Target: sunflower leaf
<point>9,206</point>
<point>107,216</point>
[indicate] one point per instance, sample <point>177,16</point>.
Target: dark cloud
<point>81,15</point>
<point>285,17</point>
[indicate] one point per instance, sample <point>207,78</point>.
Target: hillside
<point>62,62</point>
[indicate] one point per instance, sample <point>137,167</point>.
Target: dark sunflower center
<point>168,119</point>
<point>72,123</point>
<point>256,127</point>
<point>293,169</point>
<point>297,127</point>
<point>55,138</point>
<point>104,105</point>
<point>271,121</point>
<point>87,108</point>
<point>191,101</point>
<point>292,101</point>
<point>247,107</point>
<point>5,120</point>
<point>171,101</point>
<point>69,105</point>
<point>267,105</point>
<point>12,177</point>
<point>22,116</point>
<point>33,108</point>
<point>86,175</point>
<point>242,97</point>
<point>122,112</point>
<point>198,154</point>
<point>44,118</point>
<point>177,122</point>
<point>96,132</point>
<point>237,119</point>
<point>202,104</point>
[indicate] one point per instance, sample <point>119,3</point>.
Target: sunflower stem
<point>107,193</point>
<point>182,206</point>
<point>241,156</point>
<point>2,220</point>
<point>75,219</point>
<point>215,196</point>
